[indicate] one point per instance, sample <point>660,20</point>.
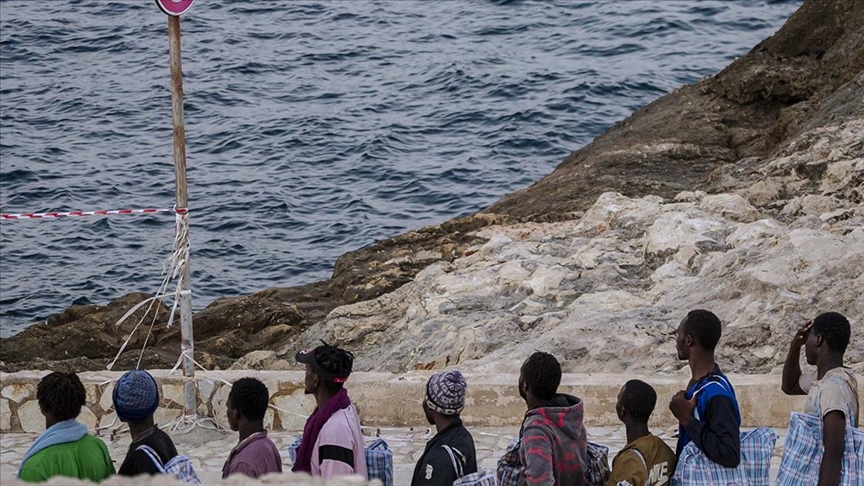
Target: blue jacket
<point>717,428</point>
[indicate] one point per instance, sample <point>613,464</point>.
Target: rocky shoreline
<point>743,192</point>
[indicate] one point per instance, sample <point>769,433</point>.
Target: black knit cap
<point>329,362</point>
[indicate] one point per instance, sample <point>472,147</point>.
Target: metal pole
<point>187,346</point>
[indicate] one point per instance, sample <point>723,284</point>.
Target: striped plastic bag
<point>757,447</point>
<point>597,470</point>
<point>802,453</point>
<point>509,466</point>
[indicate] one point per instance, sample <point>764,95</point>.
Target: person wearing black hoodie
<point>554,444</point>
<point>450,454</point>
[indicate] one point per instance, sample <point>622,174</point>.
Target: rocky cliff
<point>741,193</point>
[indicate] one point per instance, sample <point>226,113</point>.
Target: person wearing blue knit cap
<point>136,398</point>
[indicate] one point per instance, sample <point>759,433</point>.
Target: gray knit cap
<point>445,392</point>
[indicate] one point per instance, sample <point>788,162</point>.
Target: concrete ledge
<point>385,399</point>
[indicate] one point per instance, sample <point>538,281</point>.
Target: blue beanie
<point>135,396</point>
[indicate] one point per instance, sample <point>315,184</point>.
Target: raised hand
<point>802,335</point>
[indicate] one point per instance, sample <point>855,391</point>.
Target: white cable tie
<point>135,308</point>
<point>179,362</point>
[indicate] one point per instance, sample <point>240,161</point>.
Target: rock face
<point>776,136</point>
<point>742,115</point>
<point>607,292</point>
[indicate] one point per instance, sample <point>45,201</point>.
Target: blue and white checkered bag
<point>509,466</point>
<point>293,448</point>
<point>695,469</point>
<point>179,466</point>
<point>484,477</point>
<point>379,462</point>
<point>802,453</point>
<point>379,459</point>
<point>757,447</point>
<point>597,470</point>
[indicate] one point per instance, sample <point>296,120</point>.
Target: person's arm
<point>335,460</point>
<point>628,470</point>
<point>245,469</point>
<point>833,439</point>
<point>719,435</point>
<point>138,463</point>
<point>31,474</point>
<point>792,367</point>
<point>536,458</point>
<point>436,469</point>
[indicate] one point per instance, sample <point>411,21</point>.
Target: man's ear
<point>819,340</point>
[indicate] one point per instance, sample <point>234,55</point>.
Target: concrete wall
<point>385,399</point>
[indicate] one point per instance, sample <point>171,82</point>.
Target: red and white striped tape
<point>101,212</point>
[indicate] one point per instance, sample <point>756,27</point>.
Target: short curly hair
<point>639,399</point>
<point>250,397</point>
<point>705,327</point>
<point>62,395</point>
<point>542,375</point>
<point>835,330</point>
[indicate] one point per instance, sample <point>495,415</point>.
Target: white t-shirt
<point>837,390</point>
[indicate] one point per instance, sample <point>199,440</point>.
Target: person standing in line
<point>332,443</point>
<point>136,398</point>
<point>65,448</point>
<point>707,411</point>
<point>450,454</point>
<point>646,459</point>
<point>831,388</point>
<point>554,448</point>
<point>255,454</point>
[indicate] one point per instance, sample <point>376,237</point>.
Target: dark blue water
<point>313,128</point>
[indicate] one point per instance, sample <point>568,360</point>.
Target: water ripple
<point>313,128</point>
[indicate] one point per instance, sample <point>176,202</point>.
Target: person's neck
<point>142,429</point>
<point>50,421</point>
<point>322,396</point>
<point>701,364</point>
<point>636,430</point>
<point>827,363</point>
<point>534,402</point>
<point>249,427</point>
<point>443,423</point>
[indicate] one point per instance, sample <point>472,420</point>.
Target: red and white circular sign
<point>174,7</point>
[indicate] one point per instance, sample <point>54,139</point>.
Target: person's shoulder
<point>840,376</point>
<point>161,436</point>
<point>163,443</point>
<point>463,434</point>
<point>337,430</point>
<point>92,440</point>
<point>713,386</point>
<point>267,443</point>
<point>655,446</point>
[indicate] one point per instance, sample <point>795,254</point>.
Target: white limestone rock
<point>605,292</point>
<point>5,415</point>
<point>31,417</point>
